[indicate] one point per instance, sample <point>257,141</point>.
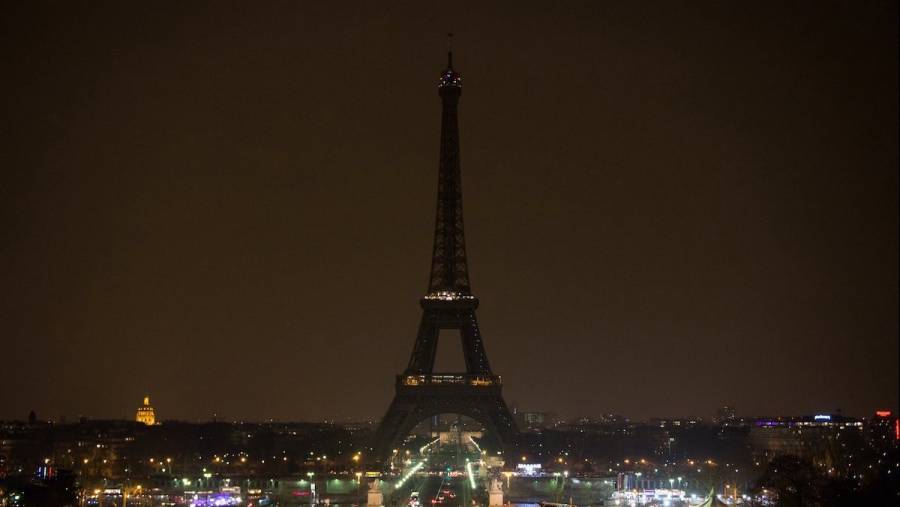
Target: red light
<point>897,428</point>
<point>883,413</point>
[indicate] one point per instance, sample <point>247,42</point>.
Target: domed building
<point>145,413</point>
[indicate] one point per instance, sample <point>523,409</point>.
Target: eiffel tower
<point>449,304</point>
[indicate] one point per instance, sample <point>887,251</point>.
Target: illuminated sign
<point>822,417</point>
<point>883,413</point>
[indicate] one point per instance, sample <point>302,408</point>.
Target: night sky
<point>230,206</point>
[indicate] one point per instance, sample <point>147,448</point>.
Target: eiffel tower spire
<point>449,268</point>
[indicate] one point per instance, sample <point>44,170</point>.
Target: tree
<point>794,479</point>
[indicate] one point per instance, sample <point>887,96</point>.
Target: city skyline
<point>232,211</point>
<point>709,416</point>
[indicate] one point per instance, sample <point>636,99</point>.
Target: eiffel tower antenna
<point>449,50</point>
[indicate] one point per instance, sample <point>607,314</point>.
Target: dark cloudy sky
<point>669,206</point>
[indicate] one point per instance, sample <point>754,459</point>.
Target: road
<point>442,480</point>
<point>441,490</point>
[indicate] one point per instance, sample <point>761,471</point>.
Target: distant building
<point>681,422</point>
<point>535,421</point>
<point>724,415</point>
<point>809,437</point>
<point>884,430</point>
<point>145,413</point>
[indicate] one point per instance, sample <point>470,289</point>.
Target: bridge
<point>443,473</point>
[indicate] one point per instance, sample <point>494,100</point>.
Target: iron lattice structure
<point>448,305</point>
